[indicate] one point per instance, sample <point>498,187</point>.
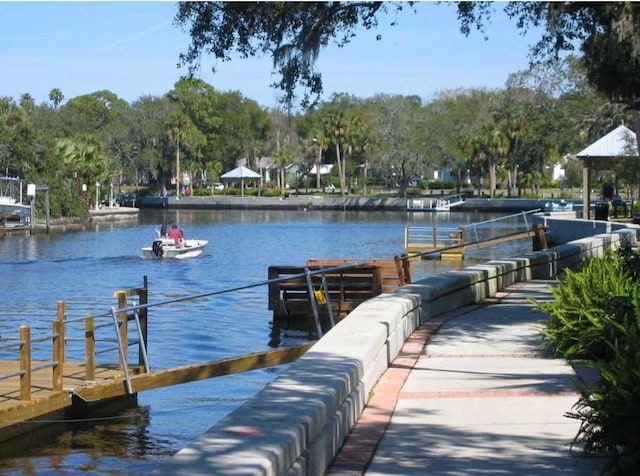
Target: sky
<point>132,50</point>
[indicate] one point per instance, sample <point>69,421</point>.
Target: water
<point>84,268</point>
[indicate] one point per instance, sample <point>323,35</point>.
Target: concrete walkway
<point>472,393</point>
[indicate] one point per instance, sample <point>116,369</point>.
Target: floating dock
<point>427,241</point>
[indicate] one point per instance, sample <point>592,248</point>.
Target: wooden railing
<point>396,272</point>
<point>302,292</point>
<point>60,337</point>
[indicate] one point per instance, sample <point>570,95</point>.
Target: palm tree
<point>82,157</point>
<point>178,131</point>
<point>497,148</point>
<point>473,157</point>
<point>321,143</point>
<point>282,159</point>
<point>56,97</point>
<point>335,126</point>
<point>27,103</point>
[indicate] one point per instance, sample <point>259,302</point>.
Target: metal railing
<point>473,231</point>
<point>443,203</point>
<point>435,235</point>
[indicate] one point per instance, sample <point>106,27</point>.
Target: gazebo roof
<point>620,142</point>
<point>240,173</point>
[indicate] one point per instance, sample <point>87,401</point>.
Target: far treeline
<point>504,141</point>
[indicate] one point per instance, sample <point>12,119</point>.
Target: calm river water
<point>84,268</point>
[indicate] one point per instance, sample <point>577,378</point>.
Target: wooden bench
<point>346,289</point>
<point>395,272</point>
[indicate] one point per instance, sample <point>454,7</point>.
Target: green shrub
<point>439,184</point>
<point>579,326</point>
<point>270,192</point>
<point>609,410</point>
<point>596,316</point>
<point>413,192</point>
<point>631,261</point>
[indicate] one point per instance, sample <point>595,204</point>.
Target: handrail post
<point>406,235</point>
<point>400,270</point>
<point>406,267</point>
<point>61,310</point>
<point>143,314</point>
<point>61,315</point>
<point>123,365</point>
<point>122,327</point>
<point>325,290</point>
<point>90,347</point>
<point>25,363</point>
<point>435,235</point>
<point>58,354</point>
<point>312,298</point>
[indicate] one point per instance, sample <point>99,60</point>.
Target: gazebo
<point>242,173</point>
<point>620,143</point>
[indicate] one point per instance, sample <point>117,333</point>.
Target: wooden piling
<point>58,354</point>
<point>25,363</point>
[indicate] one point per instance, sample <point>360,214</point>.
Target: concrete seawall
<point>296,424</point>
<point>328,202</point>
<point>293,202</point>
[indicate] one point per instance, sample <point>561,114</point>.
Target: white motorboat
<point>166,248</point>
<point>11,206</point>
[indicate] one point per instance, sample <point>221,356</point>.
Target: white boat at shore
<point>11,206</point>
<point>166,248</point>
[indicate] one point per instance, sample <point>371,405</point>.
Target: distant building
<point>445,174</point>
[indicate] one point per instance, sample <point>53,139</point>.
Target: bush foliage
<point>595,317</point>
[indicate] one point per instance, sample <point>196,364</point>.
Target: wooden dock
<point>325,291</point>
<point>34,392</point>
<point>449,243</point>
<point>421,239</point>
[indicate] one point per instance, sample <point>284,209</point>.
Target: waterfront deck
<point>449,243</point>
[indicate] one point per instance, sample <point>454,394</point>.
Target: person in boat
<point>177,235</point>
<point>163,231</point>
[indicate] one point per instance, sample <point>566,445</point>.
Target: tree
<point>11,119</point>
<point>451,119</point>
<point>179,130</point>
<point>291,32</point>
<point>27,103</point>
<point>320,144</point>
<point>496,143</point>
<point>402,140</point>
<point>283,158</point>
<point>152,153</point>
<point>607,33</point>
<point>83,160</point>
<point>56,97</point>
<point>342,124</point>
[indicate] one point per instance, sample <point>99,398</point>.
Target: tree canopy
<point>293,34</point>
<point>510,136</point>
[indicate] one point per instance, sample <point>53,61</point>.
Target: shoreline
<point>316,202</point>
<point>294,203</point>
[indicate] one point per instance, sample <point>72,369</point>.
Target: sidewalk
<point>482,398</point>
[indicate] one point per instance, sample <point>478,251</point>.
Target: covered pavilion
<point>603,154</point>
<point>241,173</point>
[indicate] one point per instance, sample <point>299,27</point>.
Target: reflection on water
<point>84,268</point>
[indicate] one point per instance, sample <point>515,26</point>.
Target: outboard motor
<point>156,247</point>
